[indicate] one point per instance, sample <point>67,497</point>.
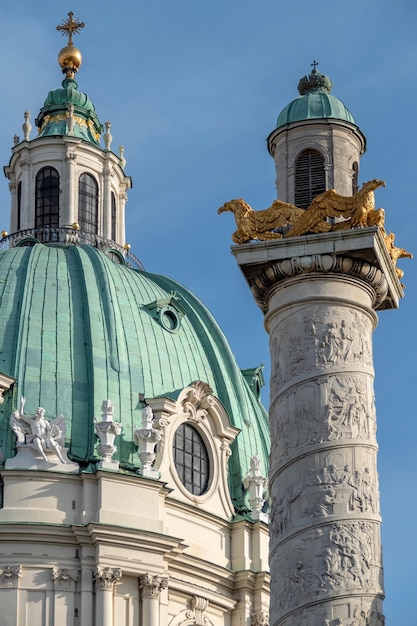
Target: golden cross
<point>69,27</point>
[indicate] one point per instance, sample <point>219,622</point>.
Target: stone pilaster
<point>319,294</point>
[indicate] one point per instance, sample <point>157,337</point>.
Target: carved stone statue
<point>37,432</point>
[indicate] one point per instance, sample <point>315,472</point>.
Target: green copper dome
<point>77,328</point>
<point>315,102</point>
<point>68,111</point>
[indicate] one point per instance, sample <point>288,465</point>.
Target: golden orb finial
<point>70,57</point>
<point>127,246</point>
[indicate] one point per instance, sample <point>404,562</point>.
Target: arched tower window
<point>355,176</point>
<point>47,198</point>
<point>19,204</point>
<point>113,216</point>
<point>88,203</point>
<point>310,179</point>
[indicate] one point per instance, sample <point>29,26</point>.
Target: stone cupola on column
<point>64,185</point>
<point>316,144</point>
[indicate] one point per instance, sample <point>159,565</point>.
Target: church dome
<point>78,326</point>
<point>315,102</point>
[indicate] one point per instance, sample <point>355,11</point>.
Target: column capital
<point>151,585</point>
<point>358,253</point>
<point>105,577</point>
<point>64,578</point>
<point>9,575</point>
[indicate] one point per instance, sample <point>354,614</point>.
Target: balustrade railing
<point>67,235</point>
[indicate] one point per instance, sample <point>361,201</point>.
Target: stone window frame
<point>197,406</point>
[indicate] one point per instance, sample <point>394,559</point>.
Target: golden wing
<point>313,219</point>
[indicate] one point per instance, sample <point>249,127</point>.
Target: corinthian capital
<point>152,585</point>
<point>105,577</point>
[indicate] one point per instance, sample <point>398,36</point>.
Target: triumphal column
<point>320,282</point>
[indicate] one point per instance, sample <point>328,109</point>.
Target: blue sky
<point>192,89</point>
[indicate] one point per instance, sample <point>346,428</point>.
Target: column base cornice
<point>359,254</point>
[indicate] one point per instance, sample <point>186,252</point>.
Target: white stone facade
<point>116,549</point>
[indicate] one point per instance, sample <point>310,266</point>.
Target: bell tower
<point>316,144</point>
<point>64,185</point>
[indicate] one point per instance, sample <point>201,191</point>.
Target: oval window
<point>191,459</point>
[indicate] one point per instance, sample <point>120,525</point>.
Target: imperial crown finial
<point>316,81</point>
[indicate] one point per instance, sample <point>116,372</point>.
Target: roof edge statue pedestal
<point>319,292</point>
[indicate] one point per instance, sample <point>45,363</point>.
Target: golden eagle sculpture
<point>328,211</point>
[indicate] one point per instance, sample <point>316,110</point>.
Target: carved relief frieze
<point>151,585</point>
<point>322,339</point>
<point>360,617</point>
<point>281,515</point>
<point>296,420</point>
<point>337,408</point>
<point>332,484</point>
<point>9,575</point>
<point>64,579</point>
<point>339,557</point>
<point>348,411</point>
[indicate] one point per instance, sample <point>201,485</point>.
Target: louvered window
<point>47,198</point>
<point>88,203</point>
<point>310,179</point>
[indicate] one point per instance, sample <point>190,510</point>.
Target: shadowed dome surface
<point>77,328</point>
